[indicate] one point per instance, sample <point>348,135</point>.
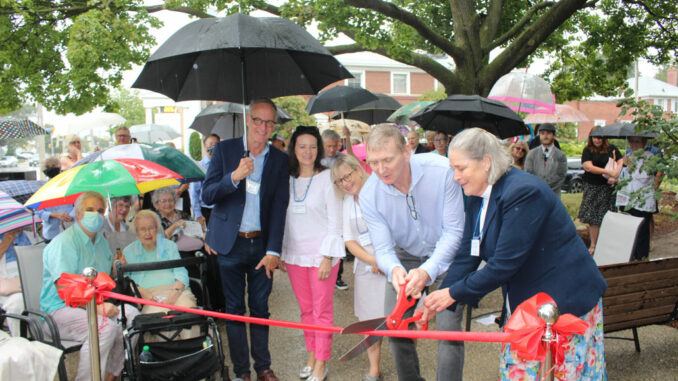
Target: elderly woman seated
<point>168,286</point>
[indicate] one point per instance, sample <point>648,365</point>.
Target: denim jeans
<point>237,272</point>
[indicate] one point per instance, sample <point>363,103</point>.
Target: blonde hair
<point>346,161</point>
<point>521,143</point>
<point>476,143</point>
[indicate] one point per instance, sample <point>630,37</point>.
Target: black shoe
<point>341,285</point>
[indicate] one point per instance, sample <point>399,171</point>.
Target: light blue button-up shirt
<point>250,217</point>
<point>166,250</point>
<point>52,226</point>
<point>70,252</point>
<point>195,191</point>
<point>437,231</point>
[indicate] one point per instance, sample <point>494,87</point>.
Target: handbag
<point>612,166</point>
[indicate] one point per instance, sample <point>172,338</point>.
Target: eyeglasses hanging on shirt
<point>411,206</point>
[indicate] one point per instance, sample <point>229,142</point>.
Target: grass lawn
<point>572,202</point>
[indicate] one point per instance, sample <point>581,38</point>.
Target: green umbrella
<point>162,154</point>
<point>402,115</point>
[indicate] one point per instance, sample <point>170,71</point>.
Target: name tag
<point>365,239</point>
<point>252,186</point>
<point>475,247</point>
<point>298,207</point>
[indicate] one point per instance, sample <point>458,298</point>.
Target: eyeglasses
<point>411,206</point>
<point>440,140</point>
<point>147,230</point>
<point>123,136</point>
<point>519,149</point>
<point>166,201</point>
<point>259,121</point>
<point>345,178</point>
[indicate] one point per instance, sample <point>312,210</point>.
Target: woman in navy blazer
<point>517,225</point>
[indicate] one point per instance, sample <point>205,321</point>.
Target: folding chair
<point>616,239</point>
<point>29,261</point>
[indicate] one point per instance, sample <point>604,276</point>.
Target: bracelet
<point>328,257</point>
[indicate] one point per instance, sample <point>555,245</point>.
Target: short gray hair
<point>161,191</point>
<point>86,196</point>
<point>127,199</point>
<point>476,143</point>
<point>346,161</point>
<point>147,213</point>
<point>382,134</point>
<point>330,134</point>
<point>267,101</point>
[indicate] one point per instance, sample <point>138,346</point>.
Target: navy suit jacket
<point>530,245</point>
<point>229,201</point>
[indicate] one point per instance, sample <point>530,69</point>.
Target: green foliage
<point>128,104</point>
<point>572,148</point>
<point>572,202</point>
<point>295,106</point>
<point>195,146</point>
<point>433,95</point>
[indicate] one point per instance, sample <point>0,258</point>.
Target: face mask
<point>51,171</point>
<point>92,221</point>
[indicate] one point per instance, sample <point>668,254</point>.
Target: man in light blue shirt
<point>83,245</point>
<point>201,211</point>
<point>415,215</point>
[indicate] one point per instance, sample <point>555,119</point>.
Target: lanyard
<point>476,227</point>
<point>294,191</point>
<point>355,211</point>
<point>262,169</point>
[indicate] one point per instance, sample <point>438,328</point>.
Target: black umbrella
<point>225,120</point>
<point>372,112</point>
<point>621,130</point>
<point>458,112</point>
<point>339,98</point>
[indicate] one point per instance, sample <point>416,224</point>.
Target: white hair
<point>476,143</point>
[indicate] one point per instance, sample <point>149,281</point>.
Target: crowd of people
<point>421,223</point>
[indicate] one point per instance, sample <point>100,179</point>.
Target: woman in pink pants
<point>312,245</point>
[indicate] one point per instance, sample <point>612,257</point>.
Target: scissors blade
<point>362,326</point>
<point>363,344</point>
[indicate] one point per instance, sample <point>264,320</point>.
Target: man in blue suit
<point>250,195</point>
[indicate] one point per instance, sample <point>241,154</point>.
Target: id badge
<point>365,239</point>
<point>252,186</point>
<point>475,247</point>
<point>298,207</point>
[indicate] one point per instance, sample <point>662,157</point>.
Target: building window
<point>400,83</point>
<point>661,102</point>
<point>599,122</point>
<point>357,81</point>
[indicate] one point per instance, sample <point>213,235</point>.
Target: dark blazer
<point>530,245</point>
<point>421,149</point>
<point>229,201</point>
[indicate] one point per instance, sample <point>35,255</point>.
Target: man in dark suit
<point>413,143</point>
<point>250,196</point>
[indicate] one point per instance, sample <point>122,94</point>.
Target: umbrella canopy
<point>524,92</point>
<point>149,133</point>
<point>13,128</point>
<point>402,115</point>
<point>562,114</point>
<point>238,58</point>
<point>225,120</point>
<point>621,130</point>
<point>89,121</point>
<point>458,112</point>
<point>373,112</point>
<point>356,127</point>
<point>162,154</point>
<point>339,98</point>
<point>360,150</point>
<point>21,190</point>
<point>111,178</point>
<point>13,215</point>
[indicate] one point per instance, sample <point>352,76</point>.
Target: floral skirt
<point>595,202</point>
<point>584,358</point>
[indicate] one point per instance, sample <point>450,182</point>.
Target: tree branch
<point>396,13</point>
<point>519,25</point>
<point>343,49</point>
<point>187,10</point>
<point>490,25</point>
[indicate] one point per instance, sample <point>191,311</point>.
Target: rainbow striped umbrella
<point>13,128</point>
<point>111,178</point>
<point>13,215</point>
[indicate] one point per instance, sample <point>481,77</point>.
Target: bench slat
<point>639,287</point>
<point>613,327</point>
<point>641,295</point>
<point>610,271</point>
<point>640,314</point>
<point>643,304</point>
<point>642,277</point>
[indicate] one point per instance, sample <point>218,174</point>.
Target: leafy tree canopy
<point>66,54</point>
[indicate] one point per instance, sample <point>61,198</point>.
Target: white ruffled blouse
<point>317,232</point>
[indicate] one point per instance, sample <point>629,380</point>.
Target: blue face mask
<point>92,221</point>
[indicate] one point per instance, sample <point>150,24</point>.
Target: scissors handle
<point>395,319</point>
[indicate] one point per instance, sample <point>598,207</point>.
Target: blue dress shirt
<point>19,240</point>
<point>51,227</point>
<point>250,217</point>
<point>437,230</point>
<point>195,190</point>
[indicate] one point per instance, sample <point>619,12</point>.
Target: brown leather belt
<point>254,234</point>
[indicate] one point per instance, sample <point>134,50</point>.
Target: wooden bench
<point>640,294</point>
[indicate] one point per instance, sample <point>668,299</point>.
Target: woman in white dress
<point>312,245</point>
<point>369,289</point>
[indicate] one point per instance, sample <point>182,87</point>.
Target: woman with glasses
<point>312,244</point>
<point>440,143</point>
<point>369,283</point>
<point>518,151</point>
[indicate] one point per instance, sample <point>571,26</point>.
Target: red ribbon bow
<point>526,330</point>
<point>78,291</point>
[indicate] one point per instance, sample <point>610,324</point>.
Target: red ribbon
<point>78,291</point>
<point>526,329</point>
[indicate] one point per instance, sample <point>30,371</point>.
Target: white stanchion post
<point>549,313</point>
<point>93,330</point>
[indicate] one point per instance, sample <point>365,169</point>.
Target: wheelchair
<point>174,358</point>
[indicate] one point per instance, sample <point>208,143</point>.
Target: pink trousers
<point>316,302</point>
